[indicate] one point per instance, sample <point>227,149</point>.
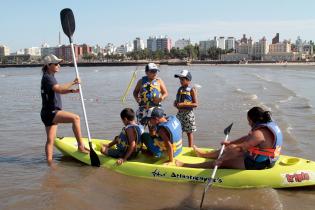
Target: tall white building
<point>129,47</point>
<point>110,48</point>
<point>299,44</point>
<point>260,49</point>
<point>230,43</point>
<point>182,43</point>
<point>221,42</point>
<point>97,49</point>
<point>138,44</point>
<point>4,50</point>
<point>125,48</point>
<point>35,51</point>
<point>47,50</point>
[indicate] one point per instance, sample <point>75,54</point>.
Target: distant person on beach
<point>128,143</point>
<point>186,101</point>
<point>150,91</point>
<point>166,142</point>
<point>260,149</point>
<point>52,113</point>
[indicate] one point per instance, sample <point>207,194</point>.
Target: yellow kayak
<point>287,172</point>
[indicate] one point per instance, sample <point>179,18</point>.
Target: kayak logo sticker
<point>157,173</point>
<point>297,177</point>
<point>194,178</point>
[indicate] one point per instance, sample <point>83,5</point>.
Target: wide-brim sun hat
<point>51,59</point>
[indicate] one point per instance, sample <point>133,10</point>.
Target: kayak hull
<point>287,172</point>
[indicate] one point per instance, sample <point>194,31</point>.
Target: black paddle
<point>211,180</point>
<point>68,26</point>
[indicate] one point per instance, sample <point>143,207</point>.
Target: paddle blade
<point>95,161</point>
<point>228,129</point>
<point>67,22</point>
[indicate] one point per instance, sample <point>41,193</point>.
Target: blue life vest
<point>262,154</point>
<point>123,142</point>
<point>148,91</point>
<point>174,128</point>
<point>184,96</point>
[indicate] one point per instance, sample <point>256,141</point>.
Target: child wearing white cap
<point>186,101</point>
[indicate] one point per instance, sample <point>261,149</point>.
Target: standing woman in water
<point>52,113</point>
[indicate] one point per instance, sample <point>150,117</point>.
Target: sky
<point>30,23</point>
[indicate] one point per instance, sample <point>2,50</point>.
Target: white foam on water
<point>197,86</point>
<point>286,100</point>
<point>252,97</point>
<point>240,90</point>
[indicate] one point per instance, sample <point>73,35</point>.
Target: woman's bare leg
<point>49,147</point>
<point>68,117</point>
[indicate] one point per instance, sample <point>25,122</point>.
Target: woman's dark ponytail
<point>44,69</point>
<point>258,115</point>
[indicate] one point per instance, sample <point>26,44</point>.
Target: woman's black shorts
<point>48,117</point>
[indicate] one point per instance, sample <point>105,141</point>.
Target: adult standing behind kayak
<point>259,149</point>
<point>52,113</point>
<point>150,91</point>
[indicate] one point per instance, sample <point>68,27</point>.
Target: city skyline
<point>119,22</point>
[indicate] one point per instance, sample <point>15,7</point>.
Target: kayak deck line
<point>288,171</point>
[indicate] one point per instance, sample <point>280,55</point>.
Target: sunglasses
<point>56,64</point>
<point>152,71</point>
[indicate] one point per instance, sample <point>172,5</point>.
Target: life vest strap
<point>269,152</point>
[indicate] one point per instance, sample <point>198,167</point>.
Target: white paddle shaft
<point>81,93</point>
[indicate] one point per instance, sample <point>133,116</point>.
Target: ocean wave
<point>262,78</point>
<point>307,106</point>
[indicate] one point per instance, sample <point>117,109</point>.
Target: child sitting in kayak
<point>166,140</point>
<point>186,100</point>
<point>259,149</point>
<point>128,143</point>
